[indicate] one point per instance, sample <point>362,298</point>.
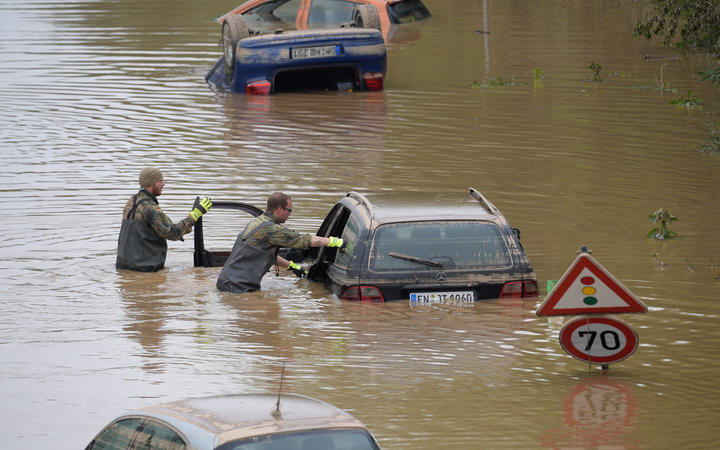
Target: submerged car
<point>425,250</point>
<point>262,54</point>
<point>385,15</point>
<point>237,422</point>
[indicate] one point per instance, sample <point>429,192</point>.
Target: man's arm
<point>282,262</point>
<point>164,226</point>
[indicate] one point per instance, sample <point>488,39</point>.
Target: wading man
<point>142,244</point>
<point>256,248</point>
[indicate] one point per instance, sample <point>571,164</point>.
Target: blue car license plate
<point>437,297</point>
<point>314,52</point>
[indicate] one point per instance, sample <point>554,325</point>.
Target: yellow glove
<point>336,242</point>
<point>297,269</point>
<point>200,208</point>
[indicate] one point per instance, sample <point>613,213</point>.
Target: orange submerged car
<point>306,14</point>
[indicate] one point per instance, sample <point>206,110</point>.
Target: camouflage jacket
<point>150,214</point>
<point>275,236</point>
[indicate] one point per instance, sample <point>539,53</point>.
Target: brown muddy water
<point>92,91</point>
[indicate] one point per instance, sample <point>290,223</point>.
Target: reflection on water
<point>598,411</point>
<point>92,91</point>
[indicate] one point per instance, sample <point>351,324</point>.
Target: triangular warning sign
<point>587,288</point>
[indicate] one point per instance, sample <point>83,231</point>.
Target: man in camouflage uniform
<point>256,248</point>
<point>142,244</point>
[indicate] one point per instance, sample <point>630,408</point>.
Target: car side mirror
<point>516,232</point>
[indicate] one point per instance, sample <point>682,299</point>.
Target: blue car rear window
<point>454,245</point>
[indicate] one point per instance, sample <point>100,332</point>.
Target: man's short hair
<point>276,201</point>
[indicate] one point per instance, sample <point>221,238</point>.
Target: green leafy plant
<point>663,218</point>
<point>689,101</point>
<point>711,75</point>
<point>538,74</point>
<point>595,68</point>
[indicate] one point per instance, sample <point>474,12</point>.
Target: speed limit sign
<point>599,340</point>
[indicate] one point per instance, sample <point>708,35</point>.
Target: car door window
<point>117,436</point>
<point>156,436</point>
<point>350,237</point>
<point>280,13</point>
<point>330,13</point>
<point>407,11</point>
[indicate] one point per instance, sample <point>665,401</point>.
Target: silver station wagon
<point>237,422</point>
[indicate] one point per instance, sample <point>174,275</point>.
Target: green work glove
<point>297,269</point>
<point>336,242</point>
<point>200,208</point>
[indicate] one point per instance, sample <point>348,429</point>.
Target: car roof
<point>414,206</point>
<point>232,417</point>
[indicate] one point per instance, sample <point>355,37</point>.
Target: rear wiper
<point>415,259</point>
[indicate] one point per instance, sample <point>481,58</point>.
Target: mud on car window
<point>453,245</point>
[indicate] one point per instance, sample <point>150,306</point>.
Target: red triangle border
<point>585,261</point>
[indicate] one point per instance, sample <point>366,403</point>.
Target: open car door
<point>216,258</point>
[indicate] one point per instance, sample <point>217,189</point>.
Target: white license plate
<point>314,52</point>
<point>437,297</point>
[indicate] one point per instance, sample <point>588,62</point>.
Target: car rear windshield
<point>407,11</point>
<point>429,245</point>
<point>350,439</point>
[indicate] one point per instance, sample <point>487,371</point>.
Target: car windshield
<point>407,11</point>
<point>453,245</point>
<point>350,439</point>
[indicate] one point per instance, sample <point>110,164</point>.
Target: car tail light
<point>363,293</point>
<point>374,81</point>
<point>261,87</point>
<point>518,289</point>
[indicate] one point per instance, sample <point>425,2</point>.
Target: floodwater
<point>92,91</point>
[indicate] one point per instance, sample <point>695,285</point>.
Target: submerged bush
<point>662,232</point>
<point>712,143</point>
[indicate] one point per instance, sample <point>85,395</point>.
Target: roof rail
<point>483,201</point>
<point>362,199</point>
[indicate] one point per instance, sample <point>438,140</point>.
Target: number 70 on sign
<point>600,340</point>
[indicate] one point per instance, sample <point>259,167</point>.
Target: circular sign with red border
<point>599,340</point>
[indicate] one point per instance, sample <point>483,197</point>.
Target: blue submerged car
<point>328,59</point>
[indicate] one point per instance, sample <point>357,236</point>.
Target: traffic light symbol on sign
<point>589,291</point>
